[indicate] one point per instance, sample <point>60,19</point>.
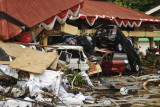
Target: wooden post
<point>151,42</point>
<point>135,41</point>
<point>45,40</point>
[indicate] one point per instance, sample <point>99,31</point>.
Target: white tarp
<point>52,81</point>
<point>15,103</point>
<point>6,70</point>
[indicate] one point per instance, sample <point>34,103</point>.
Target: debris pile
<point>64,74</point>
<point>30,77</point>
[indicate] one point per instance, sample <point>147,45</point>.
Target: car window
<point>109,30</point>
<point>75,53</point>
<point>81,55</point>
<point>120,56</point>
<point>60,50</point>
<point>65,56</point>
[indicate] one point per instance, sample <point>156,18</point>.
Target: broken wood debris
<point>33,61</point>
<point>11,49</point>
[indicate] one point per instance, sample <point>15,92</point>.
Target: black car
<point>111,37</point>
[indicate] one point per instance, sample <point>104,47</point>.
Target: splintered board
<point>54,64</point>
<point>33,61</point>
<point>11,49</point>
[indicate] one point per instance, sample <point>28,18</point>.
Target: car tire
<point>119,47</point>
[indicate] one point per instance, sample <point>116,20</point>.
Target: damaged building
<point>76,53</point>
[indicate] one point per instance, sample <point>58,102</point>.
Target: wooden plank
<point>141,34</point>
<point>90,31</point>
<point>32,44</point>
<point>11,49</point>
<point>53,66</point>
<point>69,29</point>
<point>53,33</point>
<point>5,62</point>
<point>33,61</point>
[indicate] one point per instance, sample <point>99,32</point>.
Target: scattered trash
<point>15,103</point>
<point>108,84</point>
<point>6,70</point>
<point>150,80</point>
<point>124,91</point>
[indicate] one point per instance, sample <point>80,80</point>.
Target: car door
<point>107,62</point>
<point>118,64</point>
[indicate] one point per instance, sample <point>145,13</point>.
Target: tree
<point>140,5</point>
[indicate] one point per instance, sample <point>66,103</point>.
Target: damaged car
<point>112,61</point>
<point>111,37</point>
<point>115,62</point>
<point>73,56</point>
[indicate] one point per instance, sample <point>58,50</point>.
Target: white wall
<point>144,46</point>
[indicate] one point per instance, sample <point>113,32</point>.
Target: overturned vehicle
<point>110,37</point>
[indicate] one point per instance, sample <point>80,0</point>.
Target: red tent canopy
<point>94,9</point>
<point>17,13</point>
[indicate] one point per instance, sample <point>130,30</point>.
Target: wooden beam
<point>151,42</point>
<point>69,29</point>
<point>141,34</point>
<point>45,41</point>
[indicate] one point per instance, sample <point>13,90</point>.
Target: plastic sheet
<point>6,70</point>
<point>15,103</point>
<point>84,74</point>
<point>52,81</point>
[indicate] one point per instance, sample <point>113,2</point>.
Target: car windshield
<point>109,30</point>
<point>75,53</point>
<point>120,56</point>
<point>106,31</point>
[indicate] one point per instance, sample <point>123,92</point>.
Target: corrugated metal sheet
<point>32,12</point>
<point>94,7</point>
<point>29,13</point>
<point>8,30</point>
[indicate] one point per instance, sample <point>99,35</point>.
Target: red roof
<point>104,9</point>
<point>29,13</point>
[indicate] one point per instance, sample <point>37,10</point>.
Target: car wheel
<point>120,48</point>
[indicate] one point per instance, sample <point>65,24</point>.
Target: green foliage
<point>149,60</point>
<point>140,5</point>
<point>79,81</point>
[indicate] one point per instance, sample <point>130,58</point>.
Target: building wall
<point>144,45</point>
